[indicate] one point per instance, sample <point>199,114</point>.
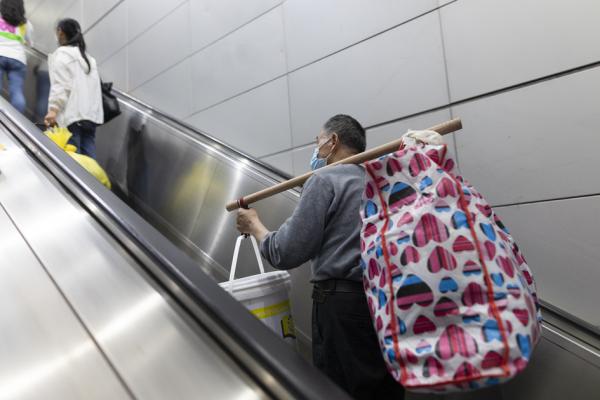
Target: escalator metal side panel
<point>44,346</point>
<point>179,184</point>
<point>561,368</point>
<point>151,346</point>
<point>272,362</point>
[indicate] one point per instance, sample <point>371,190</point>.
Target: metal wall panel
<point>75,11</point>
<point>370,81</point>
<point>109,35</point>
<point>261,114</point>
<point>170,91</point>
<point>167,43</point>
<point>115,70</point>
<point>316,28</point>
<point>554,374</point>
<point>560,241</point>
<point>281,161</point>
<point>214,19</point>
<point>93,10</point>
<point>31,5</point>
<point>142,15</point>
<point>491,44</point>
<point>248,57</point>
<point>393,131</point>
<point>534,143</point>
<point>301,158</point>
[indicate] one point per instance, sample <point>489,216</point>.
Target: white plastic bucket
<point>265,295</point>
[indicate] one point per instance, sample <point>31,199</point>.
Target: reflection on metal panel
<point>152,347</point>
<point>180,183</point>
<point>44,347</point>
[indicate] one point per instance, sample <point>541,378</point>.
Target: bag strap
<point>236,253</point>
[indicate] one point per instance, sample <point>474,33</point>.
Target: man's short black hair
<point>349,130</point>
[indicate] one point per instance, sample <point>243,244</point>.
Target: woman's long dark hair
<point>13,12</point>
<point>72,31</point>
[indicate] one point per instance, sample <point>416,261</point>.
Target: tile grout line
<point>448,89</point>
<point>530,202</point>
<point>287,82</point>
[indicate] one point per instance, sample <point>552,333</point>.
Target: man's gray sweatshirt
<point>324,228</point>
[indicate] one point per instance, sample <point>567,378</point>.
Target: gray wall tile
<point>75,11</point>
<point>535,143</point>
<point>93,10</point>
<point>390,132</point>
<point>109,35</point>
<point>516,40</point>
<point>214,19</point>
<point>115,70</point>
<point>560,242</point>
<point>301,159</point>
<point>169,91</point>
<point>256,122</point>
<point>246,58</point>
<point>371,82</point>
<point>167,43</point>
<point>142,16</point>
<point>317,28</point>
<point>282,161</point>
<point>31,5</point>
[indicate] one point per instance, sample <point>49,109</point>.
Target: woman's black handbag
<point>110,103</point>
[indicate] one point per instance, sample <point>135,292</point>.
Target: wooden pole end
<point>232,206</point>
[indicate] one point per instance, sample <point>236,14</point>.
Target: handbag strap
<point>236,253</point>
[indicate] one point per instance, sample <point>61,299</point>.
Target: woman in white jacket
<point>75,99</point>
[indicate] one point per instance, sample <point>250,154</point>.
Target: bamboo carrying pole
<point>443,129</point>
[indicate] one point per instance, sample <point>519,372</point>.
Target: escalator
<point>99,304</point>
<point>170,184</point>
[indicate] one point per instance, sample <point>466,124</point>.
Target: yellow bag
<point>61,137</point>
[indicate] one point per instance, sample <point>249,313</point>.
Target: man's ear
<point>335,140</point>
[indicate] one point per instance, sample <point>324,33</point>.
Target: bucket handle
<point>236,252</point>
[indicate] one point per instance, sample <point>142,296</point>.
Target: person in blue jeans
<point>75,99</point>
<point>42,90</point>
<point>15,33</point>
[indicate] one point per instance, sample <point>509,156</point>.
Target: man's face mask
<point>316,162</point>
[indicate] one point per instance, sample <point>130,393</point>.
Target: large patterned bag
<point>451,296</point>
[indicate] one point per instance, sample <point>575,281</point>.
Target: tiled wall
<point>263,75</point>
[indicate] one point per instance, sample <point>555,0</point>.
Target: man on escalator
<point>325,228</point>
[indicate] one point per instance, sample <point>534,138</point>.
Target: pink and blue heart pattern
<point>452,298</point>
